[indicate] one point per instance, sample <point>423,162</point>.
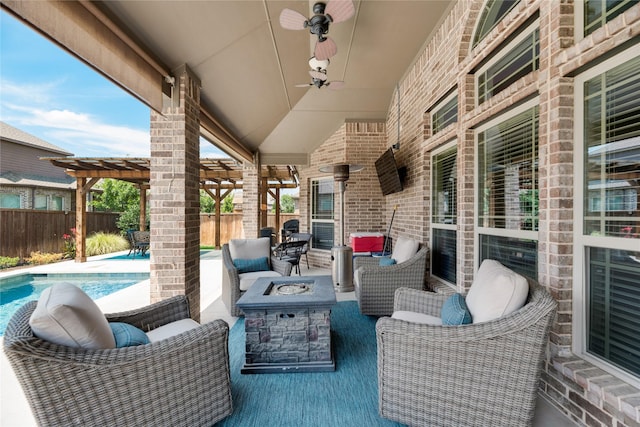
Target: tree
<point>227,204</point>
<point>286,204</point>
<point>116,196</point>
<point>207,204</point>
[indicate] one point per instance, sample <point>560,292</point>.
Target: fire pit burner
<point>290,289</point>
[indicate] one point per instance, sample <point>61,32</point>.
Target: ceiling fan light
<point>317,64</point>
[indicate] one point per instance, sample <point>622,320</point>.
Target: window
<point>521,58</point>
<point>322,217</point>
<point>507,189</point>
<point>57,203</point>
<point>492,13</point>
<point>40,202</point>
<point>444,214</point>
<point>607,235</point>
<point>9,201</point>
<point>599,12</point>
<point>445,113</point>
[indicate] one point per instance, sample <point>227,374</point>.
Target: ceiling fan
<point>319,80</point>
<point>318,24</point>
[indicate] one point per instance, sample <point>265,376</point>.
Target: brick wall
<point>585,393</point>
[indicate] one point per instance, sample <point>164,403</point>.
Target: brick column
<point>250,200</point>
<point>174,198</point>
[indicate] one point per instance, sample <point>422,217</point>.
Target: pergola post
<point>143,208</point>
<point>81,220</point>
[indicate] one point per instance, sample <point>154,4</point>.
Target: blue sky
<point>48,93</point>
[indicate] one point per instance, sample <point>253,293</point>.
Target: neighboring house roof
<point>17,136</point>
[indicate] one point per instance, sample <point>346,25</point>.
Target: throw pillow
<point>496,291</point>
<point>404,249</point>
<point>127,335</point>
<point>455,312</point>
<point>65,315</point>
<point>386,261</point>
<point>251,265</point>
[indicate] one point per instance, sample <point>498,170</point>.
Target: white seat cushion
<point>171,329</point>
<point>410,316</point>
<point>496,291</point>
<point>65,315</point>
<point>247,279</point>
<point>404,248</point>
<point>250,248</point>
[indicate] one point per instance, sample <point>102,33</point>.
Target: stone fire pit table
<point>288,325</point>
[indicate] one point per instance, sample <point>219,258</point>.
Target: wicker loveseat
<point>179,381</point>
<point>479,374</point>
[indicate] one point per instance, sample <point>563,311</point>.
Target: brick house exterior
<point>587,391</point>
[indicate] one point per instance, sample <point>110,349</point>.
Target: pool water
<point>18,290</point>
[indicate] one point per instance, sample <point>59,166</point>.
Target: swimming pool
<point>16,291</point>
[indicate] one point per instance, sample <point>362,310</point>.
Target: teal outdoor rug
<point>346,397</point>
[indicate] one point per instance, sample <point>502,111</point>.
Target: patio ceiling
<point>214,173</point>
<point>248,64</point>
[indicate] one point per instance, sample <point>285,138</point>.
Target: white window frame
<point>522,34</point>
<point>445,147</point>
<point>582,242</point>
<point>311,204</point>
<point>520,234</point>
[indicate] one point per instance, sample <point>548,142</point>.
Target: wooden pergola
<point>218,177</point>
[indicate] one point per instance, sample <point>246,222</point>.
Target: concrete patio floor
<point>14,409</point>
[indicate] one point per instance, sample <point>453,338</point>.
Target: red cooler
<point>366,242</point>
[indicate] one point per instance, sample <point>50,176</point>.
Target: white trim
<point>578,20</point>
<point>582,242</point>
<point>523,33</point>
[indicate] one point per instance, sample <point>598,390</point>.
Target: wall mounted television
<point>389,175</point>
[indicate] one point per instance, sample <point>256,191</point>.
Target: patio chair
<point>289,227</point>
<point>291,251</point>
<point>304,237</point>
<point>375,284</point>
<point>181,380</point>
<point>139,241</point>
<point>243,261</point>
<point>477,374</point>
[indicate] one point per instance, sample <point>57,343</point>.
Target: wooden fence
<point>23,231</point>
<point>231,226</point>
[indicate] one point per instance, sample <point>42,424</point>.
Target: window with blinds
<point>612,152</point>
<point>444,115</point>
<point>508,173</point>
<point>322,215</point>
<point>519,61</point>
<point>492,14</point>
<point>610,234</point>
<point>520,255</point>
<point>444,214</point>
<point>599,12</point>
<point>614,307</point>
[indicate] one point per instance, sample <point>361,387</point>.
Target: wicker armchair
<point>375,285</point>
<point>180,381</point>
<point>235,284</point>
<point>482,374</point>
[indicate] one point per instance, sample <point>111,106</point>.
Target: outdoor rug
<point>346,397</point>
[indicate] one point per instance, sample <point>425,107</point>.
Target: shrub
<point>8,262</point>
<point>38,258</point>
<point>105,243</point>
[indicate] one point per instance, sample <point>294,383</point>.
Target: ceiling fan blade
<point>336,85</point>
<point>305,85</point>
<point>318,75</point>
<point>325,49</point>
<point>292,20</point>
<point>340,10</point>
